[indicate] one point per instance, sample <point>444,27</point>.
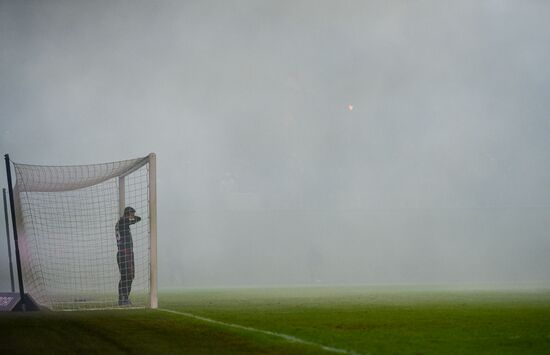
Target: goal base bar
<point>12,302</point>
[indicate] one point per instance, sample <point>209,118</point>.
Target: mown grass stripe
<point>267,332</point>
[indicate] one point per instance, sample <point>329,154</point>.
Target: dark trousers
<point>125,260</point>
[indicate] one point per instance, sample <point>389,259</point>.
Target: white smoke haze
<point>439,174</point>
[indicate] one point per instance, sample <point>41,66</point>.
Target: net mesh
<point>66,225</point>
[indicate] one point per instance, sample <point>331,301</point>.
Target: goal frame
<point>152,204</point>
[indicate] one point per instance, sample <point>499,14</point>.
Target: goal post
<point>153,229</point>
<point>71,256</point>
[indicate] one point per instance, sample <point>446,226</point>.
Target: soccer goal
<point>70,250</point>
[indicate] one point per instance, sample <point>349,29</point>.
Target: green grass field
<point>375,320</point>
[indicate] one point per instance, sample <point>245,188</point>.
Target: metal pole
<point>121,195</point>
<point>14,226</point>
<point>153,232</point>
<point>8,238</point>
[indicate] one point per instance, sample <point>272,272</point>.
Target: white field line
<point>267,332</point>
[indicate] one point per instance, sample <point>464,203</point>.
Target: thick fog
<point>301,142</point>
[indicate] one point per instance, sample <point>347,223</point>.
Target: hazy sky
<point>439,171</point>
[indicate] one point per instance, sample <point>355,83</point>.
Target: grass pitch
<point>375,320</point>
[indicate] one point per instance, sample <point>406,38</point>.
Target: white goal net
<point>66,218</point>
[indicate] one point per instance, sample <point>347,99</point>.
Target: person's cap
<point>129,210</point>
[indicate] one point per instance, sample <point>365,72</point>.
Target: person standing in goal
<point>125,254</point>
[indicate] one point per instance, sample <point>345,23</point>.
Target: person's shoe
<point>124,302</point>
